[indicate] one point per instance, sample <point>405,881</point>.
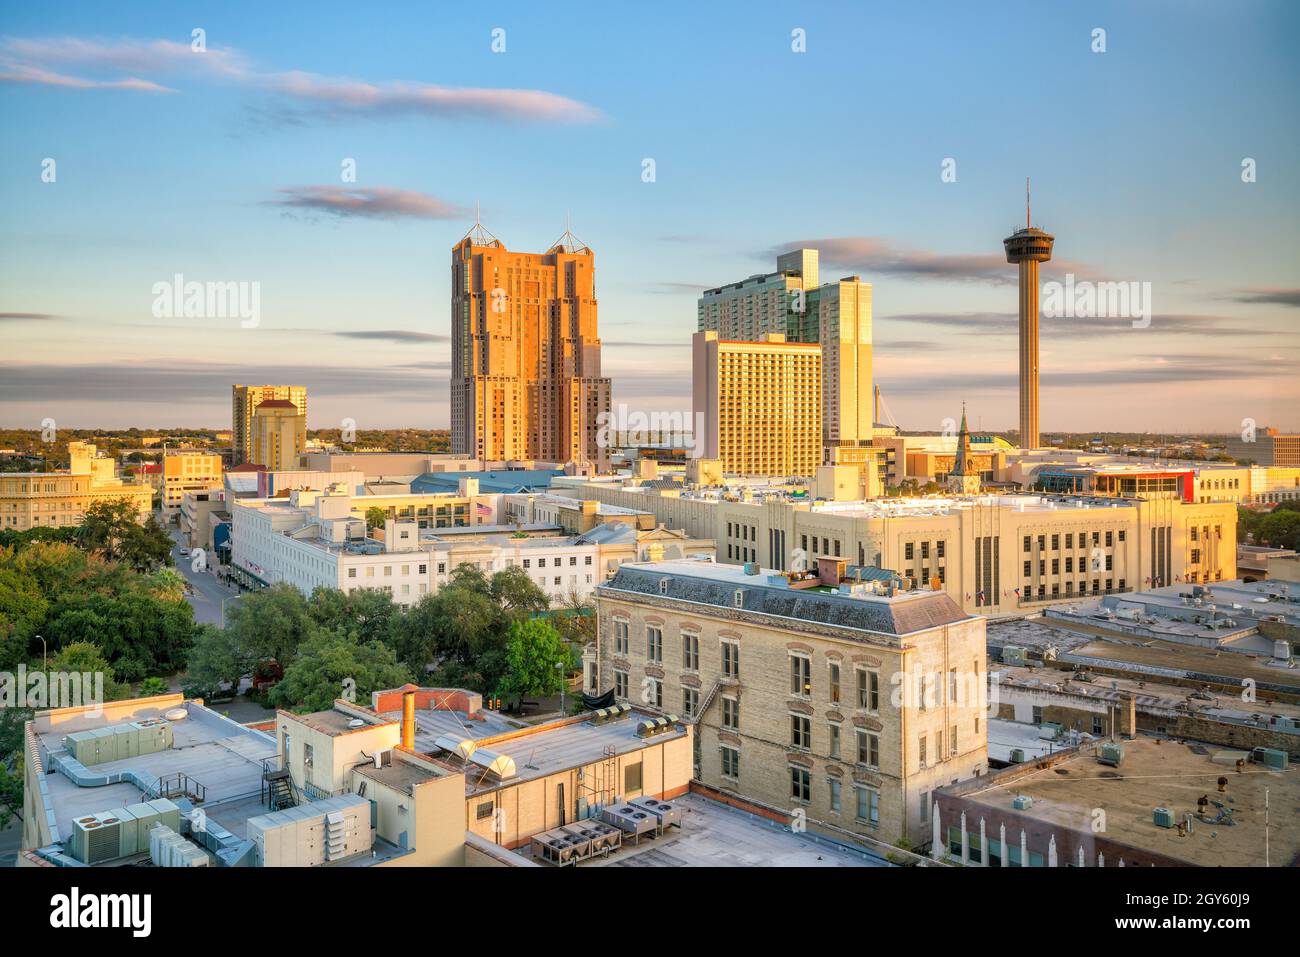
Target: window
<point>620,637</point>
<point>690,651</point>
<point>800,676</point>
<point>731,659</point>
<point>868,749</point>
<point>938,549</point>
<point>654,638</point>
<point>800,785</point>
<point>352,573</point>
<point>730,762</point>
<point>620,684</point>
<point>835,682</point>
<point>835,795</point>
<point>868,806</point>
<point>690,701</point>
<point>731,713</point>
<point>632,777</point>
<point>1027,543</point>
<point>952,739</point>
<point>739,599</point>
<point>922,750</point>
<point>835,741</point>
<point>868,689</point>
<point>1096,725</point>
<point>800,731</point>
<point>656,689</point>
<point>484,810</point>
<point>907,551</point>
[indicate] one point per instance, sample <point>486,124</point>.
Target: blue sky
<point>225,166</point>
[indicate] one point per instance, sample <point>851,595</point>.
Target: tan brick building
<point>59,499</point>
<point>244,400</point>
<point>849,707</point>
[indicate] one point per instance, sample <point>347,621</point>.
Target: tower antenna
<point>1028,223</point>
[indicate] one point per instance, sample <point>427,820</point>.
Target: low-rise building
<point>849,706</point>
<point>60,499</point>
<point>185,471</point>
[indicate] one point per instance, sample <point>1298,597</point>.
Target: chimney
<point>408,720</point>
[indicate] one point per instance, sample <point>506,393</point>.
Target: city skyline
<point>254,132</point>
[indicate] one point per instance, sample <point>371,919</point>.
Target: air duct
<point>408,720</point>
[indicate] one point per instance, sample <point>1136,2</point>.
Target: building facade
<point>244,400</point>
<point>851,708</point>
<point>1267,447</point>
<point>60,499</point>
<point>836,316</point>
<point>188,471</point>
<point>526,380</point>
<point>279,435</point>
<point>759,404</point>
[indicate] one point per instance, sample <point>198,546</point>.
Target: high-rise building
<point>245,399</point>
<point>836,316</point>
<point>1266,447</point>
<point>1027,248</point>
<point>759,404</point>
<point>525,381</point>
<point>279,435</point>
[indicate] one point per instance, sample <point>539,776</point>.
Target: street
<point>208,592</point>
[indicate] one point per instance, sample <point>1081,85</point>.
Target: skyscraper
<point>1028,247</point>
<point>525,380</point>
<point>279,435</point>
<point>836,316</point>
<point>758,404</point>
<point>245,399</point>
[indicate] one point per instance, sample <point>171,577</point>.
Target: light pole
<point>45,655</point>
<point>559,666</point>
<point>223,606</point>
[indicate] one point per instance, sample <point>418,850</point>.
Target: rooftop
<point>1161,773</point>
<point>767,593</point>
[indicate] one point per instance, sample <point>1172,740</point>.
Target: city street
<point>208,592</point>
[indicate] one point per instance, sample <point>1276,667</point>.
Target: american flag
<point>482,509</point>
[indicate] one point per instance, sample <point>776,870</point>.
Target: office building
<point>526,382</point>
<point>1267,447</point>
<point>759,403</point>
<point>60,499</point>
<point>185,471</point>
<point>244,401</point>
<point>279,435</point>
<point>836,316</point>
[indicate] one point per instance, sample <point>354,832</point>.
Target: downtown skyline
<point>224,165</point>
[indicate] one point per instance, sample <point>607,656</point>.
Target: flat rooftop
<point>550,748</point>
<point>716,835</point>
<point>1007,736</point>
<point>1171,774</point>
<point>430,724</point>
<point>223,756</point>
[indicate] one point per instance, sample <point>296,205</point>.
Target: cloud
<point>1281,297</point>
<point>376,202</point>
<point>617,344</point>
<point>43,61</point>
<point>873,256</point>
<point>394,335</point>
<point>1006,323</point>
<point>15,316</point>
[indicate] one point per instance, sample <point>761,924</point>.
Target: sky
<point>897,142</point>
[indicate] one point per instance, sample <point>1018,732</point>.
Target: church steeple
<point>965,476</point>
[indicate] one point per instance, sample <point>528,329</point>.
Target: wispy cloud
<point>875,256</point>
<point>1280,297</point>
<point>1006,323</point>
<point>18,316</point>
<point>100,64</point>
<point>376,202</point>
<point>394,335</point>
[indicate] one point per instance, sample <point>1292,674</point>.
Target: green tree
<point>331,665</point>
<point>375,517</point>
<point>537,661</point>
<point>271,623</point>
<point>111,529</point>
<point>151,687</point>
<point>215,660</point>
<point>514,590</point>
<point>1280,529</point>
<point>367,614</point>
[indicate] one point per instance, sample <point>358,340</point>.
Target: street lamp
<point>223,606</point>
<point>559,666</point>
<point>45,655</point>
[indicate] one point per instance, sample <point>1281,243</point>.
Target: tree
<point>537,661</point>
<point>331,666</point>
<point>1280,529</point>
<point>111,529</point>
<point>375,517</point>
<point>367,614</point>
<point>215,660</point>
<point>514,590</point>
<point>151,687</point>
<point>271,623</point>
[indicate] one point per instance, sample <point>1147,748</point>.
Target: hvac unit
<point>1163,817</point>
<point>169,849</point>
<point>167,813</point>
<point>1111,754</point>
<point>105,744</point>
<point>155,735</point>
<point>146,818</point>
<point>1270,758</point>
<point>129,826</point>
<point>127,740</point>
<point>83,747</point>
<point>1017,755</point>
<point>1022,802</point>
<point>96,838</point>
